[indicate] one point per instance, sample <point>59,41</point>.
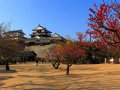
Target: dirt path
<point>44,77</point>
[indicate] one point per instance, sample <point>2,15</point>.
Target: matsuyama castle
<point>42,36</point>
<point>40,41</point>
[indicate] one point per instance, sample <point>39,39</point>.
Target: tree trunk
<point>7,65</point>
<point>55,64</point>
<point>56,67</point>
<point>67,69</point>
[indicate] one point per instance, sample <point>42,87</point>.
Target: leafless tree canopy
<point>8,45</point>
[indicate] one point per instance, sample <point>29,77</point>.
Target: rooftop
<point>39,27</point>
<point>15,31</point>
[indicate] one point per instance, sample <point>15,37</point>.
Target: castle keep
<point>40,42</point>
<point>41,36</point>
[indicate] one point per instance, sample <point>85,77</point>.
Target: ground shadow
<point>5,77</point>
<point>40,89</point>
<point>113,73</point>
<point>8,71</point>
<point>1,83</point>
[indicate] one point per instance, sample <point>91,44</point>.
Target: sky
<point>64,17</point>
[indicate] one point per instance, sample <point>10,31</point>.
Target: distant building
<point>40,32</point>
<point>16,34</point>
<point>41,36</point>
<point>41,41</point>
<point>27,56</point>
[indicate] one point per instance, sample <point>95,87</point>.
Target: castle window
<point>42,30</point>
<point>38,31</point>
<point>21,35</point>
<point>16,34</point>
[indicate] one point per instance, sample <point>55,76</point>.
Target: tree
<point>8,46</point>
<point>104,22</point>
<point>67,53</point>
<point>88,46</point>
<point>71,52</point>
<point>54,56</point>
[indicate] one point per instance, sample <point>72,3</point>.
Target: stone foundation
<point>40,50</point>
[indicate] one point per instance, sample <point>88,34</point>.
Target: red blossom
<point>104,22</point>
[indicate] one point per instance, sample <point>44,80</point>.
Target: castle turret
<point>40,32</point>
<point>16,34</point>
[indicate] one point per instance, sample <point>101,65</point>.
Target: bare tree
<point>8,46</point>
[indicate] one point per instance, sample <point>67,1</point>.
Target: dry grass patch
<point>45,77</point>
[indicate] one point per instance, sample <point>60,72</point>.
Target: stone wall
<point>39,50</point>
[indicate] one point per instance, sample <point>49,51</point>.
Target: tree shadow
<point>5,77</point>
<point>1,83</point>
<point>40,89</point>
<point>48,86</point>
<point>87,68</point>
<point>113,73</point>
<point>58,83</point>
<point>8,71</point>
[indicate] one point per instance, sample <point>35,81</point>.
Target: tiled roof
<point>27,53</point>
<point>41,40</point>
<point>41,28</point>
<point>15,31</point>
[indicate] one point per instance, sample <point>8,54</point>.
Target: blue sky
<point>65,17</point>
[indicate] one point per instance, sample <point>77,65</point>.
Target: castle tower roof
<point>40,31</point>
<point>40,28</point>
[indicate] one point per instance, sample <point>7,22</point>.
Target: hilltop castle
<point>41,36</point>
<point>40,42</point>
